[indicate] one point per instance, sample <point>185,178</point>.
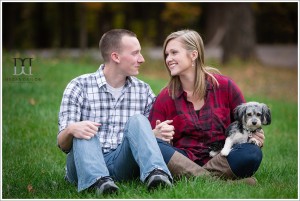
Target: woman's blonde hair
<point>191,41</point>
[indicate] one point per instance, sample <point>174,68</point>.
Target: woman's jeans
<point>137,155</point>
<point>244,159</point>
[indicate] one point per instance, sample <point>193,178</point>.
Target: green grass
<point>33,167</point>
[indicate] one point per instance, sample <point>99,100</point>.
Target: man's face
<point>130,56</point>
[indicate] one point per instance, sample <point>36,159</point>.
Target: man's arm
<point>82,130</point>
<point>69,122</point>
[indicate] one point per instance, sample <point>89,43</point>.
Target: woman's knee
<point>245,159</point>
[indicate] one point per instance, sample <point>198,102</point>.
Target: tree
<point>233,28</point>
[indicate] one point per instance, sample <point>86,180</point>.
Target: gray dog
<point>249,118</point>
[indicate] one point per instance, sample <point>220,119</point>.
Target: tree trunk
<point>83,37</point>
<point>239,38</point>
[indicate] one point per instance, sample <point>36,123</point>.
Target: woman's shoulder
<point>227,84</point>
<point>224,80</point>
<point>164,94</point>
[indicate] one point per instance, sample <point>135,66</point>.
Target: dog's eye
<point>249,114</point>
<point>258,114</point>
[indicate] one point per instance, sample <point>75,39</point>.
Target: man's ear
<point>115,57</point>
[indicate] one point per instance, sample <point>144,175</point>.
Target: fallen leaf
<point>32,101</point>
<point>29,188</point>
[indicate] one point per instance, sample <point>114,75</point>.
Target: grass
<point>33,167</point>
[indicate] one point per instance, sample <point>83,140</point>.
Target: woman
<point>199,103</point>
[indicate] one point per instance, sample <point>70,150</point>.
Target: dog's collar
<point>251,131</point>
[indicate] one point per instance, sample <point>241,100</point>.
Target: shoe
<point>105,185</point>
<point>158,178</point>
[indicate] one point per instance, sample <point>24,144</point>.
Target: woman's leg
<point>168,150</point>
<point>244,159</point>
<point>178,162</point>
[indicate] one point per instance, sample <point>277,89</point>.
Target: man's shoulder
<point>80,83</point>
<point>83,79</point>
<point>138,82</point>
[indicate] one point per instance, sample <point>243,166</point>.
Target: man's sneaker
<point>158,178</point>
<point>105,185</point>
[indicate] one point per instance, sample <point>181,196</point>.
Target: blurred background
<point>261,30</point>
<point>255,44</point>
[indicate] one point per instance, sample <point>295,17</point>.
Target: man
<point>103,123</point>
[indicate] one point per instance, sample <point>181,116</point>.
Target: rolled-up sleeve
<point>70,105</point>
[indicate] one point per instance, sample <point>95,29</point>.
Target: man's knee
<point>137,119</point>
<point>138,125</point>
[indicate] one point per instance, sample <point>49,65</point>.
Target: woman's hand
<point>258,138</point>
<point>163,130</point>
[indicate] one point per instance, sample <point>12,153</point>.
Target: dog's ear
<point>239,111</point>
<point>266,115</point>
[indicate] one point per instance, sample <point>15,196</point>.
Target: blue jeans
<point>137,155</point>
<point>244,159</point>
<point>168,150</point>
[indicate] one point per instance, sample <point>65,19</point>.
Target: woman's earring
<point>193,63</point>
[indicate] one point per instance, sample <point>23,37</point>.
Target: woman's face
<point>178,59</point>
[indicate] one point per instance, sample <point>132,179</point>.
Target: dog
<point>249,118</point>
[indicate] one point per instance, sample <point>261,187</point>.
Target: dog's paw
<point>255,141</point>
<point>225,152</point>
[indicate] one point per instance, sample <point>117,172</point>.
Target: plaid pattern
<point>87,98</point>
<point>194,132</point>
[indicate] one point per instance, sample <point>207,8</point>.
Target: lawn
<point>33,166</point>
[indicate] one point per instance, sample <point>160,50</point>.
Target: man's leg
<point>139,149</point>
<point>85,163</point>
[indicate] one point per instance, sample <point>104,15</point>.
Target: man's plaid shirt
<point>195,132</point>
<point>87,98</point>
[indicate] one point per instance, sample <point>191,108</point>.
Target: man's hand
<point>258,138</point>
<point>164,130</point>
<point>83,129</point>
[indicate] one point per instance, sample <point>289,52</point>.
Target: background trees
<point>237,27</point>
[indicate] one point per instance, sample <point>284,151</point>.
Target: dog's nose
<point>254,123</point>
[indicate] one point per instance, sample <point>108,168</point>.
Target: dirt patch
<point>253,79</point>
<point>257,80</point>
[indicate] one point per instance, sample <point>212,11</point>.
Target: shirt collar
<point>208,83</point>
<point>101,81</point>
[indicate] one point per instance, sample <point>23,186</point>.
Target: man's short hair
<point>111,41</point>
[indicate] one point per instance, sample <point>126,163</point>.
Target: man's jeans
<point>137,154</point>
